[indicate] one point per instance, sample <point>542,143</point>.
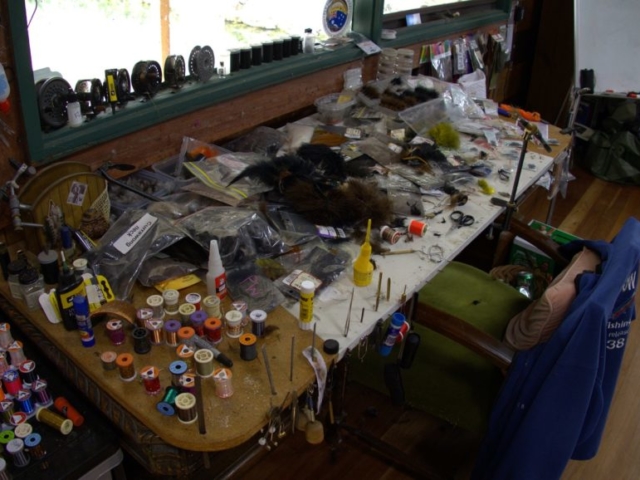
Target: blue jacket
<point>554,402</point>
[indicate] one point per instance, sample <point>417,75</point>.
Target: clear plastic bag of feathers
<point>215,174</point>
<point>294,229</point>
<point>242,234</point>
<point>246,282</point>
<point>135,236</point>
<point>459,103</point>
<point>193,150</point>
<point>162,267</point>
<point>315,261</point>
<point>180,205</point>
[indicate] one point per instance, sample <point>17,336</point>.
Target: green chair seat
<point>446,379</point>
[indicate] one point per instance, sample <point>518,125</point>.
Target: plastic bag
<point>215,175</point>
<point>134,237</point>
<point>247,283</point>
<point>180,205</point>
<point>242,234</point>
<point>193,150</point>
<point>262,140</point>
<point>161,268</point>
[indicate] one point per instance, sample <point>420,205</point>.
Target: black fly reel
<point>174,71</point>
<point>123,86</point>
<point>51,95</point>
<point>202,63</point>
<point>90,95</point>
<point>146,77</point>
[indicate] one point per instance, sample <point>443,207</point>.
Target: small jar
<point>15,268</point>
<point>31,286</point>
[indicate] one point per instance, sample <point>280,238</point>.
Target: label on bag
<point>132,236</point>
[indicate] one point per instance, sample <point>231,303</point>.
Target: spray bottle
<point>216,276</point>
<point>362,267</point>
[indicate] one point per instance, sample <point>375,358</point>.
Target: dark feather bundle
<point>324,158</point>
<point>279,172</point>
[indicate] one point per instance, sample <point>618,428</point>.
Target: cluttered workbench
<point>233,406</point>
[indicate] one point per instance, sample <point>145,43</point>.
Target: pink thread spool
<point>115,332</point>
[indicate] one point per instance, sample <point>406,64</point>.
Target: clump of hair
<point>445,135</point>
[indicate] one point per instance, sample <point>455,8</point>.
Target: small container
<point>305,317</point>
<point>296,44</point>
<point>286,47</point>
<point>267,52</point>
<point>309,41</point>
<point>277,49</point>
<point>233,320</point>
<point>334,108</point>
<point>245,58</point>
<point>234,60</point>
<point>31,287</point>
<point>15,268</point>
<point>256,54</point>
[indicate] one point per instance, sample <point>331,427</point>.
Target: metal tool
<point>348,321</point>
<point>459,220</point>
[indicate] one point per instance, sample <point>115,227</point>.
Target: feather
<point>279,171</point>
<point>324,158</point>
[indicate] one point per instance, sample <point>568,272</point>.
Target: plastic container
<point>335,107</point>
<point>156,184</point>
<point>425,115</point>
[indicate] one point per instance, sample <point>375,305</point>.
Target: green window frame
<point>46,147</point>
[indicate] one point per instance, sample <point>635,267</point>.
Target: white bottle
<point>74,112</point>
<point>216,276</point>
<point>308,42</point>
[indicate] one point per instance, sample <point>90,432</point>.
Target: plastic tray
<point>151,182</point>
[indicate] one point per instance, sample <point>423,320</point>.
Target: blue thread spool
<point>177,369</point>
<point>166,406</point>
<point>24,402</point>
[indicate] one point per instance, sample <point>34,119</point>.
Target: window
<point>85,39</point>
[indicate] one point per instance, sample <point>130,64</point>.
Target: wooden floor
<point>593,209</point>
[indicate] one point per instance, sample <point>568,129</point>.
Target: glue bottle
<point>362,267</point>
<point>307,292</point>
<point>216,276</point>
<point>81,310</point>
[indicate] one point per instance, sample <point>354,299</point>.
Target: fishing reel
<point>146,77</point>
<point>91,96</point>
<point>117,87</point>
<point>202,63</point>
<point>51,96</point>
<point>174,71</point>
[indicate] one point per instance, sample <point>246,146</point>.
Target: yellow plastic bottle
<point>362,267</point>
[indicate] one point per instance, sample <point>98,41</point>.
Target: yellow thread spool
<point>204,362</point>
<point>46,416</point>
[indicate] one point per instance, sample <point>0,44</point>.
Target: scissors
<point>460,220</point>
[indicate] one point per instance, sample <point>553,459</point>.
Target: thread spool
<point>151,380</point>
<point>197,319</point>
<point>222,381</point>
<point>34,443</point>
<point>65,408</point>
<point>234,60</point>
<point>177,368</point>
<point>416,227</point>
<point>245,58</point>
<point>277,49</point>
<point>46,416</point>
<point>171,328</point>
<point>155,326</point>
<point>142,315</point>
<point>24,402</point>
<point>242,307</point>
<point>15,448</point>
<point>185,311</point>
<point>40,390</point>
<point>213,330</point>
<point>185,353</point>
<point>296,43</point>
<point>4,365</point>
<point>193,299</point>
<point>141,343</point>
<point>108,360</point>
<point>115,332</point>
<point>124,361</point>
<point>16,353</point>
<point>390,235</point>
<point>211,305</point>
<point>185,334</point>
<point>186,407</point>
<point>12,382</point>
<point>258,322</point>
<point>171,297</point>
<point>6,338</point>
<point>2,395</point>
<point>204,362</point>
<point>4,474</point>
<point>233,320</point>
<point>6,411</point>
<point>156,303</point>
<point>27,371</point>
<point>23,430</point>
<point>166,406</point>
<point>6,436</point>
<point>286,47</point>
<point>248,349</point>
<point>188,383</point>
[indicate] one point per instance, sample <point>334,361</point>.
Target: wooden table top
<point>229,421</point>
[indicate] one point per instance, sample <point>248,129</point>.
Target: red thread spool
<point>12,382</point>
<point>66,409</point>
<point>213,329</point>
<point>193,299</point>
<point>151,380</point>
<point>416,227</point>
<point>115,332</point>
